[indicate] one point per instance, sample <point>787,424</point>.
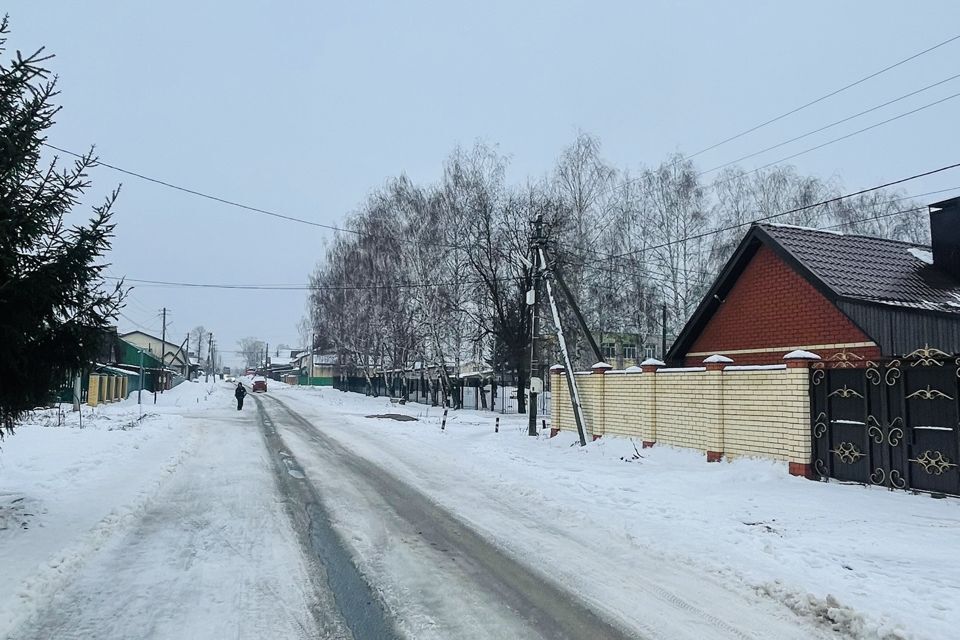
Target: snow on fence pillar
<point>798,364</point>
<point>648,393</point>
<point>715,365</point>
<point>597,424</point>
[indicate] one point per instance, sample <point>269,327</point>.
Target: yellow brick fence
<point>722,409</point>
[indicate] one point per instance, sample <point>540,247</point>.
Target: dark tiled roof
<point>870,269</point>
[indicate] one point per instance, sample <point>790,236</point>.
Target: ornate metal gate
<point>892,423</point>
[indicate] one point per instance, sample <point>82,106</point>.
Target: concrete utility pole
<point>535,243</point>
<point>162,376</point>
<point>209,353</point>
<point>578,416</point>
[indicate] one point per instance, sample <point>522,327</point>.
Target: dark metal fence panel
<point>893,423</point>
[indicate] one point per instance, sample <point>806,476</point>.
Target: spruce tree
<point>54,302</point>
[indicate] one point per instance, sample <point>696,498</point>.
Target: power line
<point>824,97</point>
<point>234,203</point>
<point>306,287</point>
<point>788,212</point>
<point>834,140</point>
<point>832,124</point>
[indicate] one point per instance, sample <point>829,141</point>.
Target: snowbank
<point>65,489</point>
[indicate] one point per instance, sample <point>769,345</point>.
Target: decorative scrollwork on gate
<point>845,359</point>
<point>820,425</point>
<point>892,433</point>
<point>817,376</point>
<point>848,452</point>
<point>820,468</point>
<point>845,392</point>
<point>928,394</point>
<point>933,462</point>
<point>893,373</point>
<point>895,432</point>
<point>878,476</point>
<point>927,356</point>
<point>890,376</point>
<point>875,430</point>
<point>897,480</point>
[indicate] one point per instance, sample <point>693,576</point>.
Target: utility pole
<point>209,352</point>
<point>535,243</point>
<point>163,355</point>
<point>578,416</point>
<point>663,327</point>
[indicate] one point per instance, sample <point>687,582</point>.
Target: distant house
<point>848,298</point>
<point>318,370</point>
<point>173,356</point>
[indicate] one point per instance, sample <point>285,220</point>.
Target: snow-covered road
<point>212,556</point>
<point>437,577</point>
<point>306,517</point>
<point>498,570</point>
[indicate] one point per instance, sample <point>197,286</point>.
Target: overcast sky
<point>304,107</point>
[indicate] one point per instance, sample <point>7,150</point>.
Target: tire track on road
<point>360,608</point>
<point>545,606</point>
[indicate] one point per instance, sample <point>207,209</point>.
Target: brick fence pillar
<point>715,365</point>
<point>648,383</point>
<point>598,428</point>
<point>798,366</point>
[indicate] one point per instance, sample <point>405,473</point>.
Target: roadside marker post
<point>443,425</point>
<point>496,428</point>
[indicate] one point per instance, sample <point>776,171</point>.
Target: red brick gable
<point>773,307</point>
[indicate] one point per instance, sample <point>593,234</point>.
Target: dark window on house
<point>649,352</point>
<point>630,351</point>
<point>608,349</point>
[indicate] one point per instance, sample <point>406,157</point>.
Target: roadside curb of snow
<point>53,573</point>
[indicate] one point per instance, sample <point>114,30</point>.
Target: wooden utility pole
<point>535,243</point>
<point>663,341</point>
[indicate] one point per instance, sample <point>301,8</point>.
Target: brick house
<point>845,297</point>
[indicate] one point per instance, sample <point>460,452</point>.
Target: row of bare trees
<point>432,274</point>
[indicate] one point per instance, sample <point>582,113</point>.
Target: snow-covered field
<point>864,561</point>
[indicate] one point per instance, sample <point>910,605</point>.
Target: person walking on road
<point>240,393</point>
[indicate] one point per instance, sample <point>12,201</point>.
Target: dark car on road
<point>259,384</point>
